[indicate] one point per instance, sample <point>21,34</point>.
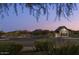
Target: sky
<point>25,21</point>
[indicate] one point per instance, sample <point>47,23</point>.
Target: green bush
<point>68,50</point>
<point>50,48</point>
<point>10,48</point>
<point>43,45</point>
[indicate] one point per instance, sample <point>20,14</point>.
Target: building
<point>62,31</point>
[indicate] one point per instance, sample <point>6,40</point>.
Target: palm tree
<point>62,9</point>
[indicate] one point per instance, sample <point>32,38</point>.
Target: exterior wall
<point>57,35</point>
<point>62,33</point>
<point>64,30</point>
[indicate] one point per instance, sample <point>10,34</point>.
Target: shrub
<point>43,45</point>
<point>68,50</point>
<point>49,47</point>
<point>10,48</point>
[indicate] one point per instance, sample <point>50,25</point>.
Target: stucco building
<point>62,31</point>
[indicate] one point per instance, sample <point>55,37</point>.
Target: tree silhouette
<point>36,9</point>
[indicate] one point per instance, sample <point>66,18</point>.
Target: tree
<point>36,9</point>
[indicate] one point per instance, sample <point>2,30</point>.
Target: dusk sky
<point>25,21</point>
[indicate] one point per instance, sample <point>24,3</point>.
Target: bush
<point>10,48</point>
<point>50,48</point>
<point>43,45</point>
<point>68,50</point>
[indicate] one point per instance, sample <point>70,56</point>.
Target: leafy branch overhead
<point>36,9</point>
